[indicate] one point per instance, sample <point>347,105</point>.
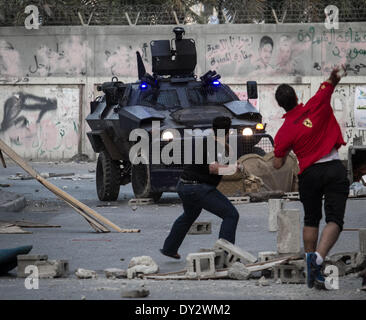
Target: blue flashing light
<point>143,86</point>
<point>216,83</point>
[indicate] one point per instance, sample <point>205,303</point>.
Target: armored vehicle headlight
<point>167,135</point>
<point>259,126</point>
<point>247,132</point>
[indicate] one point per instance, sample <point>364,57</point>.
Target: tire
<point>141,185</point>
<point>259,151</point>
<point>108,176</point>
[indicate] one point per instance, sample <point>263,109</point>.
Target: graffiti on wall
<point>121,60</point>
<point>19,102</point>
<point>41,126</point>
<point>346,46</point>
<point>68,57</point>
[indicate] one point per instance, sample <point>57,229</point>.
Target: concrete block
<point>219,257</point>
<point>200,228</point>
<point>362,237</point>
<point>275,206</point>
<point>289,231</point>
<point>46,268</point>
<point>300,264</point>
<point>201,264</point>
<point>289,274</point>
<point>266,255</point>
<point>234,253</point>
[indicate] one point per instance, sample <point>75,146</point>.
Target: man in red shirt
<point>314,135</point>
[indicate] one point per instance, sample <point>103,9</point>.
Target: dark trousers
<point>196,197</point>
<point>328,179</point>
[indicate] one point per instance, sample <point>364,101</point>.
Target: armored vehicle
<point>173,98</point>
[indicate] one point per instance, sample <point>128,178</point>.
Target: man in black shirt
<point>197,190</point>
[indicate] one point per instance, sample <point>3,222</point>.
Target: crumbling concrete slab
<point>46,268</point>
<point>200,228</point>
<point>234,253</point>
<point>201,264</point>
<point>289,231</point>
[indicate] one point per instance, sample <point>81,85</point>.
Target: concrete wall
<point>48,76</point>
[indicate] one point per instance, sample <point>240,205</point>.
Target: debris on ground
<point>4,185</point>
<point>239,271</point>
<point>357,189</point>
<point>141,265</point>
<point>115,273</point>
<point>134,292</point>
<point>81,157</point>
<point>85,274</point>
<point>45,268</point>
<point>96,221</point>
<point>11,202</point>
<point>11,228</point>
<point>263,282</point>
<point>29,224</point>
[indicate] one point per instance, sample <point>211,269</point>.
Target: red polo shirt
<point>311,131</point>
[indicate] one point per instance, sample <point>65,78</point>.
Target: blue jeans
<point>196,197</point>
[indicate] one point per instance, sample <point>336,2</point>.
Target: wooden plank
<point>9,228</point>
<point>266,265</point>
<point>77,205</point>
<point>2,159</point>
<point>178,276</point>
<point>30,224</point>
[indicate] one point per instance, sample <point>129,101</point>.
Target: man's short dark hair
<point>221,123</point>
<point>286,97</point>
<point>265,40</point>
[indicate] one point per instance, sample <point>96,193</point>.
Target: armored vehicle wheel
<point>108,177</point>
<point>141,182</point>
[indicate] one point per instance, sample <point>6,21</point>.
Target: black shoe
<point>174,256</point>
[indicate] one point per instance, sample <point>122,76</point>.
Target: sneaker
<point>313,272</point>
